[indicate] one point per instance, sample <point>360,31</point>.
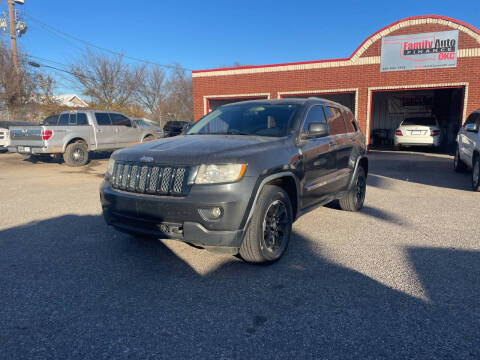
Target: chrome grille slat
<point>152,186</point>
<point>150,178</point>
<point>178,182</point>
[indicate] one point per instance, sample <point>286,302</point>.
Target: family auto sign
<point>419,51</point>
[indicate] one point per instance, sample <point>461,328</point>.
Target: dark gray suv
<point>237,179</point>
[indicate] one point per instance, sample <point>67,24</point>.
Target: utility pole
<point>13,37</point>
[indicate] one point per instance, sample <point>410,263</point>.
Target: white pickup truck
<point>467,155</point>
<point>76,133</point>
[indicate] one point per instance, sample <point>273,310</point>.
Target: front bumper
<point>178,217</point>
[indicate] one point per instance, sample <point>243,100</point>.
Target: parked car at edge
<point>77,133</point>
<point>467,154</point>
<point>157,131</point>
<point>418,131</point>
<point>174,128</point>
<point>5,132</point>
<point>237,179</point>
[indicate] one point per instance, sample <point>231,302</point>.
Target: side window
<point>103,119</point>
<point>82,119</point>
<point>63,120</point>
<point>73,119</point>
<point>315,114</point>
<point>335,120</point>
<point>120,120</point>
<point>349,123</point>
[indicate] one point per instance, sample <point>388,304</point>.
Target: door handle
<point>331,144</point>
<point>99,130</point>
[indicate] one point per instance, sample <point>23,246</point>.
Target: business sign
<point>419,51</point>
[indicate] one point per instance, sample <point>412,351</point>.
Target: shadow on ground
<point>73,288</point>
<point>422,168</point>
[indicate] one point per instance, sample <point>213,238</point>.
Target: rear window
<point>82,119</point>
<point>348,117</point>
<point>335,120</point>
<point>64,120</point>
<point>420,121</point>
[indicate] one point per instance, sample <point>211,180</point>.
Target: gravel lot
<point>401,279</point>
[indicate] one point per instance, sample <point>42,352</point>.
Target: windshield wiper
<point>231,132</point>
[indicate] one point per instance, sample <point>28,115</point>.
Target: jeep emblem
<point>148,159</point>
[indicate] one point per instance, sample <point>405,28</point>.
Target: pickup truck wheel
<point>458,164</point>
<point>268,233</point>
<point>476,174</point>
<point>353,200</point>
<point>76,154</point>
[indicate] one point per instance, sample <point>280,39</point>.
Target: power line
<point>102,48</point>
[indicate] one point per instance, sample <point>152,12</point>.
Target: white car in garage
<point>467,155</point>
<point>418,131</point>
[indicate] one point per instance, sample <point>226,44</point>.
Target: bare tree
<point>106,80</point>
<point>179,102</point>
<point>46,85</point>
<point>152,91</point>
<point>17,86</point>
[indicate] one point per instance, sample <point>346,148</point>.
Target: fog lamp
<point>211,214</point>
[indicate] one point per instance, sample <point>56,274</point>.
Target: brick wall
<point>346,74</point>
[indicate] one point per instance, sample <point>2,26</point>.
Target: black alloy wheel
<point>275,228</point>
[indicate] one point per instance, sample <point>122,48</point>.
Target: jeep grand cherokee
<point>237,179</point>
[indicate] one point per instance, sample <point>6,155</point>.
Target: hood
<point>200,149</point>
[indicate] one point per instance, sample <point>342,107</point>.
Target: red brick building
<point>379,99</point>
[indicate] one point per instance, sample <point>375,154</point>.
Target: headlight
<point>221,173</point>
<point>110,167</point>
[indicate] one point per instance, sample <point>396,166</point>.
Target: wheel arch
<point>284,178</point>
<point>73,140</point>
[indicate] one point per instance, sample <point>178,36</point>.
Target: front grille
<point>150,178</point>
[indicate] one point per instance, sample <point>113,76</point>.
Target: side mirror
<point>316,130</point>
<point>471,127</point>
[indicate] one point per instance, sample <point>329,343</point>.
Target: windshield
<point>261,119</point>
<point>420,121</point>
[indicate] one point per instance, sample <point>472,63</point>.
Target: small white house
<point>70,100</point>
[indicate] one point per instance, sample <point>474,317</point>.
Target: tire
<point>148,138</point>
<point>268,233</point>
<point>458,164</point>
<point>353,200</point>
<point>476,174</point>
<point>76,154</point>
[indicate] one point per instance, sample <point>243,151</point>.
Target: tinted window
<point>73,119</point>
<point>64,119</point>
<point>420,121</point>
<point>103,119</point>
<point>51,120</point>
<point>315,114</point>
<point>349,123</point>
<point>335,120</point>
<point>262,119</point>
<point>120,120</point>
<point>82,119</point>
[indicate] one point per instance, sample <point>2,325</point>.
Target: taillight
<point>398,132</point>
<point>434,132</point>
<point>47,134</point>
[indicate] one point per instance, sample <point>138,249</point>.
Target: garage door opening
<point>213,103</point>
<point>346,99</point>
<point>390,108</point>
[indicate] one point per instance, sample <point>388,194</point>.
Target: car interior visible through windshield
<point>259,119</point>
